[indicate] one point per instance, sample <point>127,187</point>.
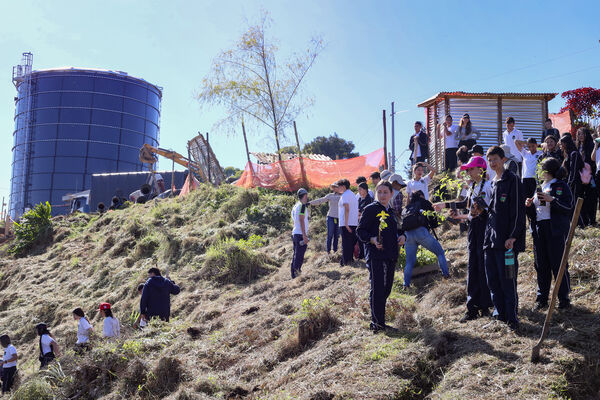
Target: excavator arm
<point>147,154</point>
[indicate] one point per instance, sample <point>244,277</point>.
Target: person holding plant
<point>504,238</point>
<point>553,207</point>
<point>333,230</point>
<point>9,364</point>
<point>49,349</point>
<point>378,230</point>
<point>479,195</point>
<point>110,328</point>
<point>300,231</point>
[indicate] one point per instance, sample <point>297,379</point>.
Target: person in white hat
<point>397,200</point>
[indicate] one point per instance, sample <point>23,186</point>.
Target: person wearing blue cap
<point>300,232</point>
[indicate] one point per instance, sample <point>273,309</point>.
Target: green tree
<point>289,149</point>
<point>249,81</point>
<point>232,171</point>
<point>332,146</point>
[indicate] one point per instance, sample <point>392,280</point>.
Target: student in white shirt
<point>531,155</point>
<point>509,137</point>
<point>418,182</point>
<point>84,329</point>
<point>300,232</point>
<point>49,349</point>
<point>448,133</point>
<point>9,364</point>
<point>111,327</point>
<point>348,213</point>
<point>333,230</point>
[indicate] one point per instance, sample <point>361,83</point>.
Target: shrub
<point>34,389</point>
<point>234,261</point>
<point>234,207</point>
<point>275,215</point>
<point>424,257</point>
<point>164,379</point>
<point>35,226</point>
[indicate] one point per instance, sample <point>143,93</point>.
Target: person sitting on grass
<point>84,330</point>
<point>415,227</point>
<point>111,328</point>
<point>300,232</point>
<point>156,296</point>
<point>9,364</point>
<point>378,231</point>
<point>49,349</point>
<point>420,182</point>
<point>476,201</point>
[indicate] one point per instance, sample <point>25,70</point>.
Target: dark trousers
<point>46,359</point>
<point>478,293</point>
<point>8,378</point>
<point>382,280</point>
<point>590,200</point>
<point>548,247</point>
<point>333,234</point>
<point>503,290</point>
<point>529,187</point>
<point>469,143</point>
<point>348,243</point>
<point>298,257</point>
<point>450,159</point>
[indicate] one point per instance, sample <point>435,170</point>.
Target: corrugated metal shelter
<point>488,112</point>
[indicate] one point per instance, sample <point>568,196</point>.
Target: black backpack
<point>413,218</point>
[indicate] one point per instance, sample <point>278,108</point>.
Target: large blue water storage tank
<point>71,123</point>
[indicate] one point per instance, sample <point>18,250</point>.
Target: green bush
<point>34,389</point>
<point>424,257</point>
<point>274,215</point>
<point>235,206</point>
<point>235,261</point>
<point>35,226</point>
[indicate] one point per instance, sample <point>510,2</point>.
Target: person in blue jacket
<point>156,296</point>
<point>553,206</point>
<point>382,243</point>
<point>504,230</point>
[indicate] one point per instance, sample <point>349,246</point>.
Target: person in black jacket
<point>156,296</point>
<point>573,164</point>
<point>585,146</point>
<point>550,149</point>
<point>382,243</point>
<point>504,230</point>
<point>553,212</point>
<point>549,130</point>
<point>418,144</point>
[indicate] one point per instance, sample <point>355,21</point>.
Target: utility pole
<point>393,160</point>
<point>385,153</point>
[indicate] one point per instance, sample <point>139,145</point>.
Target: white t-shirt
<point>46,343</point>
<point>111,327</point>
<point>348,198</point>
<point>9,352</point>
<point>530,162</point>
<point>300,211</point>
<point>543,212</point>
<point>450,141</point>
<point>82,327</point>
<point>422,184</point>
<point>417,148</point>
<point>509,140</point>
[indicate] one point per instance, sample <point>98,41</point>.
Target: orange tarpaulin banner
<point>191,183</point>
<point>290,175</point>
<point>561,121</point>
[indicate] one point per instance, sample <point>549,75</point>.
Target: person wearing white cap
<point>385,174</point>
<point>300,231</point>
<point>397,200</point>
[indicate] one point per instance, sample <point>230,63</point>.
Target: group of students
<point>154,303</point>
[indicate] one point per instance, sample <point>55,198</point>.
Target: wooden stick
<point>535,352</point>
<point>385,156</point>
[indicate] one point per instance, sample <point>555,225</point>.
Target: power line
<point>556,76</point>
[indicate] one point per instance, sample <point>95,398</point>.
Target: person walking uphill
<point>49,349</point>
<point>348,212</point>
<point>156,296</point>
<point>379,232</point>
<point>333,231</point>
<point>504,238</point>
<point>300,232</point>
<point>9,364</point>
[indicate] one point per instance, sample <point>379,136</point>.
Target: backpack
<point>413,218</point>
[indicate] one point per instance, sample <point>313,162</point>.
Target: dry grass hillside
<point>241,329</point>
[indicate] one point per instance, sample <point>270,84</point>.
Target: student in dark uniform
<point>504,231</point>
<point>364,199</point>
<point>477,200</point>
<point>379,233</point>
<point>553,213</point>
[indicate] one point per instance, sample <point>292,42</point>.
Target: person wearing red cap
<point>111,328</point>
<point>478,198</point>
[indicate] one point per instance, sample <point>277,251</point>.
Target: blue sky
<point>376,52</point>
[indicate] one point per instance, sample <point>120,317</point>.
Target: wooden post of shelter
<point>302,170</point>
<point>248,152</point>
<point>499,119</point>
<point>385,165</point>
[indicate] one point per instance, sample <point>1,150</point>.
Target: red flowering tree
<point>584,104</point>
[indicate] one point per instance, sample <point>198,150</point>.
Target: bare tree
<point>248,81</point>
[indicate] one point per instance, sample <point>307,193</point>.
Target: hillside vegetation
<point>242,329</point>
